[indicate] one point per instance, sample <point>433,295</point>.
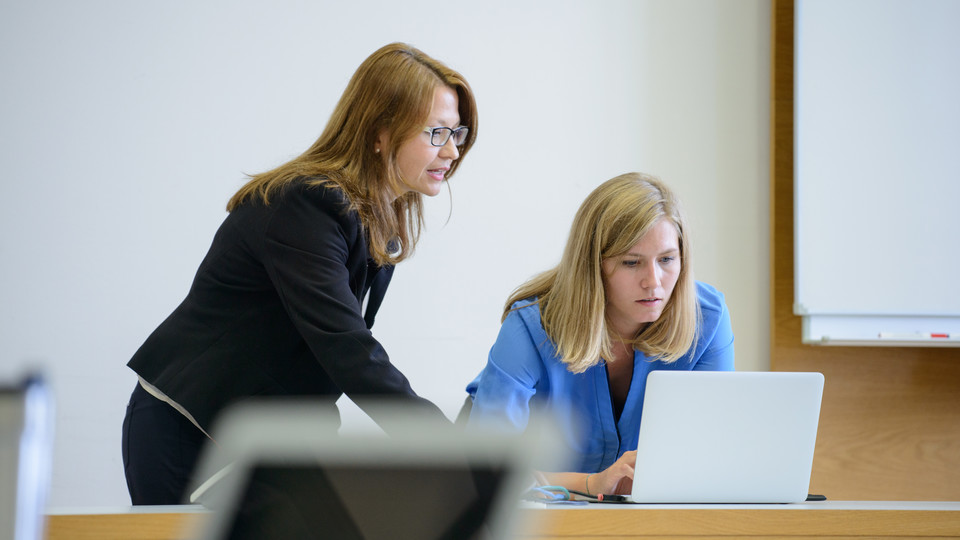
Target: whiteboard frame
<point>873,251</point>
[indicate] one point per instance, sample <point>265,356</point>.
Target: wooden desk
<point>831,519</point>
<point>123,523</point>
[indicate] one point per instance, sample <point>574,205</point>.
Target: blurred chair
<point>26,452</point>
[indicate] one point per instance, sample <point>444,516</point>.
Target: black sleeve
<point>310,245</point>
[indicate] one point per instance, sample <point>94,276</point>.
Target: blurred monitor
<point>283,471</point>
<point>26,446</point>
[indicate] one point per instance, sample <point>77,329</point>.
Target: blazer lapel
<point>377,290</point>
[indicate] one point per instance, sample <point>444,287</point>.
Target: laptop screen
<point>727,437</point>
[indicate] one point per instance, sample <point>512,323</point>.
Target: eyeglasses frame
<point>451,132</point>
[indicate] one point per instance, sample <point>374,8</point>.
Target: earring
<point>376,151</point>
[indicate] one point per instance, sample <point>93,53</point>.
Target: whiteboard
<point>877,171</point>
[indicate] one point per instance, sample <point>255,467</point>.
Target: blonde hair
<point>612,219</point>
<point>393,89</point>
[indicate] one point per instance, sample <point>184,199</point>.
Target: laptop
<point>281,470</point>
<point>727,437</point>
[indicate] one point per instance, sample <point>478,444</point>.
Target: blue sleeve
<point>715,346</point>
<point>503,390</point>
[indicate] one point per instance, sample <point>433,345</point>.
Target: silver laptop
<point>281,470</point>
<point>727,437</point>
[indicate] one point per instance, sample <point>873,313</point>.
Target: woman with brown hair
<point>275,307</point>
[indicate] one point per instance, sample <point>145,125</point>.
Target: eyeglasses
<point>440,135</point>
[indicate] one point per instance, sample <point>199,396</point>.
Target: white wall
<point>125,127</point>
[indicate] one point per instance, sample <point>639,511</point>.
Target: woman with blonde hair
<point>579,340</point>
<point>275,307</point>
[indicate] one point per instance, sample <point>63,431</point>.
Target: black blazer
<point>275,310</point>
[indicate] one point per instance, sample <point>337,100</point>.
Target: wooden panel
<point>131,526</point>
<point>890,422</point>
<point>627,522</point>
<point>890,521</point>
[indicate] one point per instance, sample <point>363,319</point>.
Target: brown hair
<point>393,90</point>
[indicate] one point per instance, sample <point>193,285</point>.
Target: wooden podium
<point>811,520</point>
<point>830,519</point>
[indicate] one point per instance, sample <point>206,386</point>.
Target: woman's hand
<point>617,478</point>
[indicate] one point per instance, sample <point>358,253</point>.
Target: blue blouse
<point>524,372</point>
